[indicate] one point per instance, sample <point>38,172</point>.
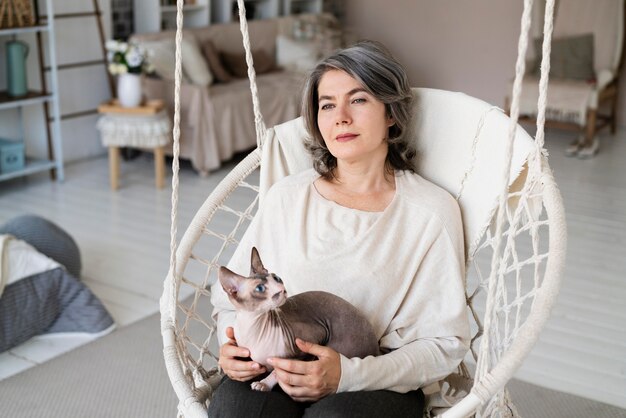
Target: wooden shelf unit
<point>32,97</point>
<point>45,97</point>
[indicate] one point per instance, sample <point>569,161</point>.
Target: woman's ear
<point>390,121</point>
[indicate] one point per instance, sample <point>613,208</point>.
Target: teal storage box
<point>11,156</point>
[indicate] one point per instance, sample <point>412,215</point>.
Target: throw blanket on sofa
<point>218,121</point>
<point>38,296</point>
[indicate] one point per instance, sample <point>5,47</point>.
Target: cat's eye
<point>278,279</point>
<point>260,288</point>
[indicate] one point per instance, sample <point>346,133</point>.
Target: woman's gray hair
<point>382,76</point>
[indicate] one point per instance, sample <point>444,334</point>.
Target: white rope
<point>485,346</point>
<point>258,117</point>
<point>483,366</point>
<point>498,266</point>
<point>470,169</point>
<point>172,274</point>
<point>548,27</point>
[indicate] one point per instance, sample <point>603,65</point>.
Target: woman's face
<point>353,123</point>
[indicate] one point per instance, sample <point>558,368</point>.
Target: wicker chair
<point>513,220</point>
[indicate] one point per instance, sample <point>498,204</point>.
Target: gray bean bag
<point>39,295</point>
<point>47,238</point>
<point>46,303</point>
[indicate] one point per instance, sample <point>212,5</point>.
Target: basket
<point>16,13</point>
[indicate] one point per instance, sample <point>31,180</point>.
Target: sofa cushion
<point>194,64</point>
<point>212,57</point>
<point>571,58</point>
<point>236,63</point>
<point>296,55</point>
<point>162,56</point>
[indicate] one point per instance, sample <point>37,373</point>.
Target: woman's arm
<point>412,366</point>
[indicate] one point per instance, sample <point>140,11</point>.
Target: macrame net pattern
<point>512,275</point>
<point>518,281</point>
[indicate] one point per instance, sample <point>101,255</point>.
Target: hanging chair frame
<point>194,386</point>
<point>482,390</point>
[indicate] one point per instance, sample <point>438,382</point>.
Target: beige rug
<point>123,375</point>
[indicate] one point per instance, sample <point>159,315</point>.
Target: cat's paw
<point>260,386</point>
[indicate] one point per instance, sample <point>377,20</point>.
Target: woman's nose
<point>343,116</point>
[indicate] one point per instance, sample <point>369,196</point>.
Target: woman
<point>364,226</point>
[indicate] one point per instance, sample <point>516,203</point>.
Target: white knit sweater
<point>403,268</point>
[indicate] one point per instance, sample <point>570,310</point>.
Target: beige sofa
<point>217,120</point>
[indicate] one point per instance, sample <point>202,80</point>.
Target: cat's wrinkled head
<point>260,292</point>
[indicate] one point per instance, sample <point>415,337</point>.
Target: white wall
<point>467,46</point>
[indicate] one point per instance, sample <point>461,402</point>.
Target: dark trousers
<point>236,400</point>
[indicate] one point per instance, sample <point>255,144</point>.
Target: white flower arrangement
<point>126,57</point>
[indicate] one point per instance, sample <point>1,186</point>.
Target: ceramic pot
<point>16,52</point>
<point>129,90</point>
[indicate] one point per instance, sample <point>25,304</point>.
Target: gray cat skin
<point>268,321</point>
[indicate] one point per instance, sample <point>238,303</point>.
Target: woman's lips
<point>345,137</point>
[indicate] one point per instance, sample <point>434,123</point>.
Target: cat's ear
<point>256,265</point>
<point>230,281</point>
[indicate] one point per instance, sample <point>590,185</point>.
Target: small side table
<point>146,127</point>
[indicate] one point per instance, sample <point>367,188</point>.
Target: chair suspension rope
<point>175,162</point>
<point>548,28</point>
<point>258,117</point>
<point>482,365</point>
<point>497,270</point>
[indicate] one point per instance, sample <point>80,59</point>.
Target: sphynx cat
<point>268,321</point>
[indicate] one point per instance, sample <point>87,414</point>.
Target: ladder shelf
<point>46,97</point>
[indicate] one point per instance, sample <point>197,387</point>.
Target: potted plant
<point>128,62</point>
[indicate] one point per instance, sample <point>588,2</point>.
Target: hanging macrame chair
<point>512,215</point>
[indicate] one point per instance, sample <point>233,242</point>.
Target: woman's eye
<point>359,100</point>
<point>260,288</point>
<point>326,106</point>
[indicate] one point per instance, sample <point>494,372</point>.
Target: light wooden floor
<point>124,240</point>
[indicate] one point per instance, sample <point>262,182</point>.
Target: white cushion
<point>162,56</point>
<point>25,261</point>
<point>296,55</point>
<point>194,64</point>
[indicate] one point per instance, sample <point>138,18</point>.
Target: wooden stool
<point>114,166</point>
<point>145,127</point>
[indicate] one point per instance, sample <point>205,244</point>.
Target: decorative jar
<point>129,89</point>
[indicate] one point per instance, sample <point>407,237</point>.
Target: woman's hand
<point>236,369</point>
<point>307,381</point>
